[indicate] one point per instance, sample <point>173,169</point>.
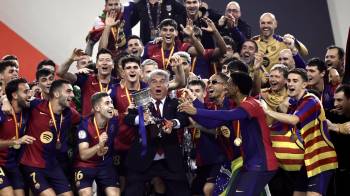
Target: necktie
<point>158,102</point>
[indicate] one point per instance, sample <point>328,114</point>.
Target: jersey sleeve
<point>76,117</point>
<point>309,107</point>
<point>82,132</point>
<point>81,79</point>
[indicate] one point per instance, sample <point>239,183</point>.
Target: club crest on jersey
<point>46,137</point>
<point>81,134</point>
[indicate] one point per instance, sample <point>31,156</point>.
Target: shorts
<point>40,179</point>
<point>204,174</point>
<point>11,177</point>
<point>119,162</point>
<point>250,182</point>
<point>104,177</point>
<point>318,183</point>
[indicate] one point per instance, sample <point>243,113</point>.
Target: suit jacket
<point>168,142</point>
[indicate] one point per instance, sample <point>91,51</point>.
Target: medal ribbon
<point>128,94</point>
<point>96,128</point>
<point>16,125</point>
<point>238,133</point>
<point>166,60</point>
<point>194,61</point>
<point>101,87</point>
<point>58,131</point>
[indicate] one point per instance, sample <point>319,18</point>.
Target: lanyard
<point>166,60</point>
<point>58,131</point>
<point>215,69</point>
<point>16,125</point>
<point>128,93</point>
<point>194,61</point>
<point>101,87</point>
<point>97,130</point>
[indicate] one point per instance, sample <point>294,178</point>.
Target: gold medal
<point>17,146</point>
<point>237,141</point>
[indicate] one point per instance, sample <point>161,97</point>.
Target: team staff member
<point>95,141</point>
<point>163,155</point>
<point>50,120</point>
<point>271,44</point>
<point>12,137</point>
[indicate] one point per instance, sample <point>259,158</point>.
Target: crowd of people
<point>227,113</point>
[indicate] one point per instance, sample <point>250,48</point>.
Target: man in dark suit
<point>163,154</point>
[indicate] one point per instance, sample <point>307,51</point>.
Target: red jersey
<point>42,153</point>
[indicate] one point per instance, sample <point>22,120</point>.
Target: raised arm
<point>220,48</point>
<point>197,48</point>
<point>180,79</point>
<point>109,23</point>
<point>63,69</point>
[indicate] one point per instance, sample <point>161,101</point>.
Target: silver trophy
<point>143,98</point>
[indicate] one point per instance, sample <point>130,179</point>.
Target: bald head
<point>269,15</point>
<point>286,58</point>
<point>268,24</point>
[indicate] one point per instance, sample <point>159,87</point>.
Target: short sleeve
<point>82,133</point>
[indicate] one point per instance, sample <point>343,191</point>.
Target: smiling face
<point>268,24</point>
<point>65,95</point>
<point>192,7</point>
<point>286,58</point>
<point>341,103</point>
<point>332,58</point>
<point>314,75</point>
<point>23,95</point>
<point>45,82</point>
<point>104,64</point>
<point>216,87</point>
<point>296,85</point>
<point>132,72</point>
<point>168,33</point>
<point>135,47</point>
<point>158,87</point>
<point>277,81</point>
<point>105,107</point>
<point>247,52</point>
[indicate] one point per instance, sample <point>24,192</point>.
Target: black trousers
<point>175,182</point>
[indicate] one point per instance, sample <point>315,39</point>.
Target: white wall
<point>340,18</point>
<point>55,27</point>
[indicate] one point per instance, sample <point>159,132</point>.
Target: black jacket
<point>169,9</point>
<point>168,142</point>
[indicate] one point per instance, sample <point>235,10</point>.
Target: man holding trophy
<point>160,155</point>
